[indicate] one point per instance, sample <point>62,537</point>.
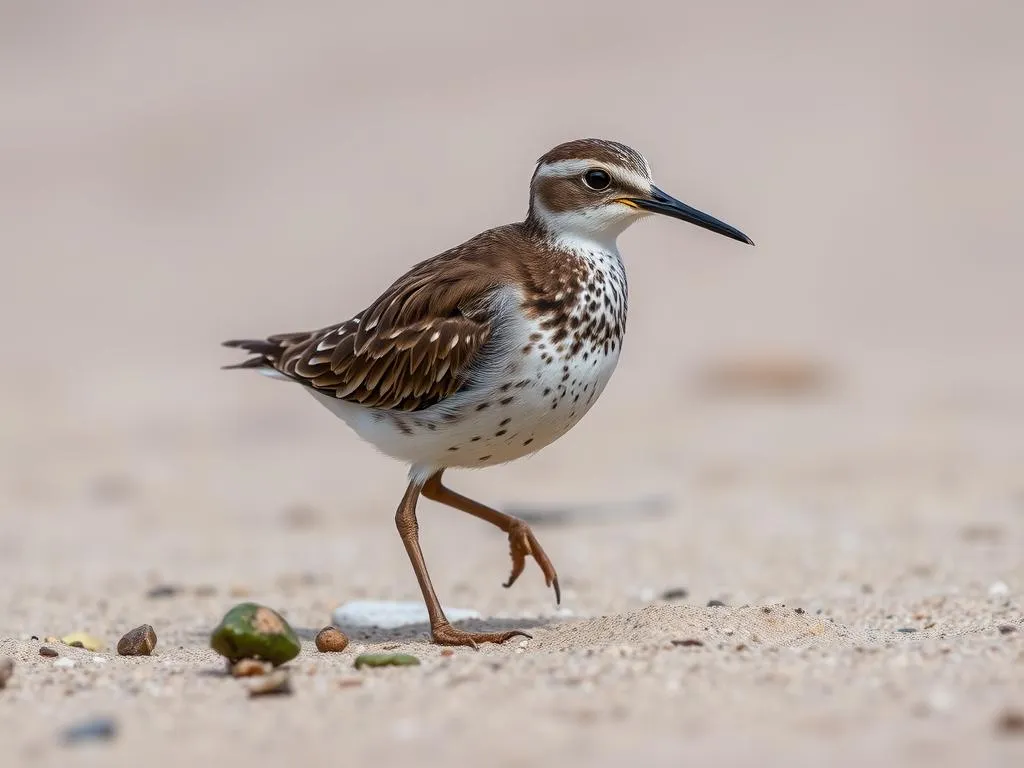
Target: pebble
<point>251,631</point>
<point>47,651</point>
<point>139,642</point>
<point>331,640</point>
<point>675,593</point>
<point>716,604</point>
<point>389,614</point>
<point>64,663</point>
<point>689,642</point>
<point>998,589</point>
<point>95,729</point>
<point>83,640</point>
<point>385,660</point>
<point>163,590</point>
<point>1011,722</point>
<point>6,670</point>
<point>249,668</point>
<point>277,682</point>
<point>1006,629</point>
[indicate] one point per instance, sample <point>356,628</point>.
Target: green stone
<point>385,660</point>
<point>251,631</point>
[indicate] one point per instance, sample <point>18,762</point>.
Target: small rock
<point>1006,629</point>
<point>83,640</point>
<point>385,660</point>
<point>331,640</point>
<point>276,683</point>
<point>95,729</point>
<point>388,614</point>
<point>163,590</point>
<point>205,590</point>
<point>64,663</point>
<point>998,589</point>
<point>47,651</point>
<point>716,604</point>
<point>690,642</point>
<point>139,642</point>
<point>906,630</point>
<point>251,631</point>
<point>249,668</point>
<point>6,670</point>
<point>675,593</point>
<point>1011,721</point>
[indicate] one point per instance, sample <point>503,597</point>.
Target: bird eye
<point>597,179</point>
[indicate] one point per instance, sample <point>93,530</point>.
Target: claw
<point>522,543</point>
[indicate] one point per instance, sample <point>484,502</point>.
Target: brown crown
<point>601,150</point>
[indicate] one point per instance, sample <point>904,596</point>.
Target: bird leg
<point>442,632</point>
<point>521,540</point>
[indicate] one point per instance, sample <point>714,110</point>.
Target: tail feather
<point>266,351</point>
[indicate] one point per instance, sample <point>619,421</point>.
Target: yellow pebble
<point>88,642</point>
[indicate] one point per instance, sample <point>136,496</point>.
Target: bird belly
<point>527,402</point>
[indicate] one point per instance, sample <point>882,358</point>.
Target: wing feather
<point>413,347</point>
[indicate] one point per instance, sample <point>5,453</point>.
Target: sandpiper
<point>491,350</point>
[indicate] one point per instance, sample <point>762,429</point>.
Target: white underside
<point>516,422</point>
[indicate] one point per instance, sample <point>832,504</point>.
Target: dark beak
<point>659,202</point>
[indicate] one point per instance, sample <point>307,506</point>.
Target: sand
<point>173,178</point>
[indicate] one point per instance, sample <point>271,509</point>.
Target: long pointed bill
<point>659,202</point>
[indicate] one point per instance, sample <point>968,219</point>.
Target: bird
<point>491,350</point>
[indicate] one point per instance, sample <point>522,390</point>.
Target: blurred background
<point>178,174</point>
<point>832,419</point>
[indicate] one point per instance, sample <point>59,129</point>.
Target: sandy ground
<point>172,178</point>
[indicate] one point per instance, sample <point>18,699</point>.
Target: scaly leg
<point>441,630</point>
<point>521,540</point>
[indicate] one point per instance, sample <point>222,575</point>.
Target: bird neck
<point>573,231</point>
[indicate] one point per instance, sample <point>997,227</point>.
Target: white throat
<point>585,230</point>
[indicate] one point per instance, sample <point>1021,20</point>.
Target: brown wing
<point>413,347</point>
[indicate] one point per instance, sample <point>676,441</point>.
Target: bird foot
<point>446,634</point>
<point>522,543</point>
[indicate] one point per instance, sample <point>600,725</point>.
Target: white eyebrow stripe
<point>566,168</point>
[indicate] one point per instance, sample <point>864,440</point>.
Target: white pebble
<point>64,663</point>
<point>998,589</point>
<point>391,614</point>
<point>941,700</point>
